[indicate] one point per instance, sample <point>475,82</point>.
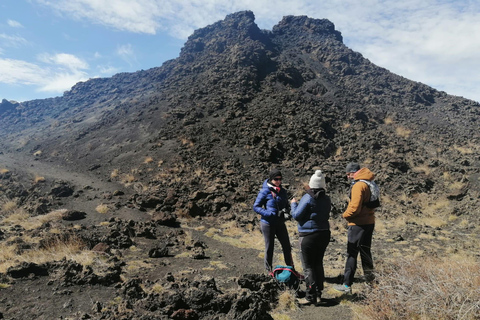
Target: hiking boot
<point>343,288</point>
<point>306,302</point>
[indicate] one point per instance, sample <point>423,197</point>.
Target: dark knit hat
<point>274,173</point>
<point>352,167</point>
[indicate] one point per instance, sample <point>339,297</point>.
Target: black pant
<point>359,240</point>
<point>269,232</point>
<point>312,250</point>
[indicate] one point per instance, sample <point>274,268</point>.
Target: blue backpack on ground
<point>288,276</point>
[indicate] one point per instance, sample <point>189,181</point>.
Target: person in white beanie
<point>312,214</point>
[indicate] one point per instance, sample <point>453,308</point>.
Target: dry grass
<point>38,179</point>
<point>156,288</point>
<point>8,207</point>
<point>187,142</point>
<point>20,217</point>
<point>403,132</point>
<point>114,173</point>
<point>128,178</point>
<point>423,169</point>
<point>102,208</point>
<point>59,247</point>
<point>218,265</point>
<point>4,170</point>
<point>388,120</point>
<point>338,152</point>
<point>463,150</point>
<point>424,288</point>
<point>148,160</point>
<point>287,301</point>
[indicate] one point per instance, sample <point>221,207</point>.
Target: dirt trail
<point>49,170</point>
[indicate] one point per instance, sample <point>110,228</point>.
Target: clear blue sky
<point>46,46</point>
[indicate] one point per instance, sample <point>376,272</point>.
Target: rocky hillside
<point>239,100</point>
<point>196,137</point>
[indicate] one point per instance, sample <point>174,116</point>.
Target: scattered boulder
<point>26,269</point>
<point>62,190</point>
<point>72,215</point>
<point>158,252</point>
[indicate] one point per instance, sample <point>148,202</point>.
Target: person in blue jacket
<point>271,204</point>
<point>312,214</point>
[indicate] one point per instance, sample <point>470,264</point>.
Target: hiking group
<point>312,214</point>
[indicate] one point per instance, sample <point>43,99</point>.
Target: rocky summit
<point>191,141</point>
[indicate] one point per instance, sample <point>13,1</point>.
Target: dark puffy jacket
<point>312,215</point>
<point>270,203</point>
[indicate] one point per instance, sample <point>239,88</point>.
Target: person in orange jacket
<point>361,223</point>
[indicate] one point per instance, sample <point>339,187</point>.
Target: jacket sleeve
<point>259,204</point>
<point>355,205</point>
<point>300,210</point>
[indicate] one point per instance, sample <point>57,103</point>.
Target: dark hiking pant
<point>269,232</point>
<point>312,250</point>
<point>359,241</point>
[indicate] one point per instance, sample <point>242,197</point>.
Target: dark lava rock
<point>26,269</point>
<point>72,215</point>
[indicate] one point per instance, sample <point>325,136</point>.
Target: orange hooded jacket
<point>356,213</point>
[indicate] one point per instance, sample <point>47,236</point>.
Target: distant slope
<point>239,100</point>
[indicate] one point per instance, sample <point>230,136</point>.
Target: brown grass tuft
<point>55,249</point>
<point>403,132</point>
<point>424,288</point>
<point>102,208</point>
<point>8,207</point>
<point>287,301</point>
<point>38,179</point>
<point>114,173</point>
<point>148,160</point>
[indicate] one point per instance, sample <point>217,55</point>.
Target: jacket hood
<point>267,185</point>
<point>364,174</point>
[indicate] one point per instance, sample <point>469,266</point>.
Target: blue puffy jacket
<point>312,215</point>
<point>270,203</point>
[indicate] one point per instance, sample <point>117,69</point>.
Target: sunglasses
<point>277,179</point>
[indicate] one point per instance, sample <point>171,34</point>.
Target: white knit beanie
<point>317,181</point>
